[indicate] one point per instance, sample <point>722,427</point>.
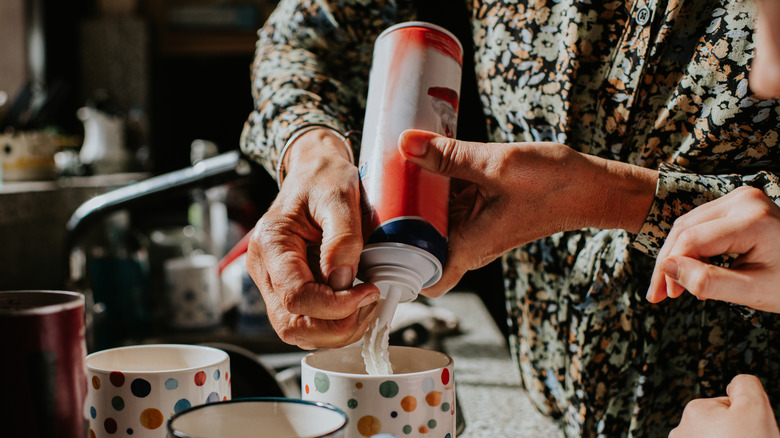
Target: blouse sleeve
<point>679,191</point>
<point>311,68</point>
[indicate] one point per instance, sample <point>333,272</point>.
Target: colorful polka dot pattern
<point>418,406</point>
<point>112,395</point>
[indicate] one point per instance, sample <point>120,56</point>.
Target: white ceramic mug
<point>417,400</point>
<point>194,291</point>
<point>259,417</point>
<point>134,390</point>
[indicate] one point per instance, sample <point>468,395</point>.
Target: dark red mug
<point>42,351</point>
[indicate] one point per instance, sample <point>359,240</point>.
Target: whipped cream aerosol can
<point>414,84</point>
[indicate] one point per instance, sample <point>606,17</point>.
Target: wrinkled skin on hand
<point>505,195</point>
<point>304,251</point>
<point>508,194</point>
<point>746,411</point>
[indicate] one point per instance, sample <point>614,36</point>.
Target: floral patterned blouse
<point>657,83</point>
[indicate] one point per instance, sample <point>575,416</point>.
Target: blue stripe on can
<point>413,232</point>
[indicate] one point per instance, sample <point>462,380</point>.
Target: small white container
<point>193,291</point>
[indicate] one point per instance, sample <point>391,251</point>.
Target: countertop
<point>487,380</point>
<point>490,397</point>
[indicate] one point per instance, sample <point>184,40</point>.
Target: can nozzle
<point>408,266</point>
<point>386,277</point>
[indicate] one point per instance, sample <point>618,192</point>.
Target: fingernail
<point>414,143</point>
<point>341,278</point>
<point>671,269</point>
<point>653,298</point>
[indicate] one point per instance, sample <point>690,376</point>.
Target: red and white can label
<point>414,84</point>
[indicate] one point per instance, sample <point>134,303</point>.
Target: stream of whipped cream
<point>377,339</point>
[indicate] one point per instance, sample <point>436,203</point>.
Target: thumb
<point>445,156</point>
<point>704,280</point>
<point>746,389</point>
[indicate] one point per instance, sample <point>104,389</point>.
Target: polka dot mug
<point>417,400</point>
<point>257,417</point>
<point>132,391</point>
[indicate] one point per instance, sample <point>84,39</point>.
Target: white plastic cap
<point>407,267</point>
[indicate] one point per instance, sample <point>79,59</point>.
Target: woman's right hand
<point>508,194</point>
<point>304,251</point>
<point>745,223</point>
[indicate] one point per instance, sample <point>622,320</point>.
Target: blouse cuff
<point>282,129</point>
<point>677,192</point>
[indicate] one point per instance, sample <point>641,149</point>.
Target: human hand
<point>304,251</point>
<point>746,409</point>
<point>506,195</point>
<point>765,70</point>
<point>744,222</point>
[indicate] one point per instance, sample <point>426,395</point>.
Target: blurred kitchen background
<point>99,96</point>
<point>164,73</point>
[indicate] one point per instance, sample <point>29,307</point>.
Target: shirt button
<point>642,16</point>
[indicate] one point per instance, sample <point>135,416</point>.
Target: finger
<point>659,288</point>
<point>309,333</point>
<point>466,163</point>
<point>446,156</point>
<point>659,285</point>
<point>456,264</point>
<point>746,389</point>
<point>707,281</point>
<point>452,273</point>
<point>337,211</point>
<point>673,289</point>
<point>723,235</point>
<point>312,315</point>
<point>700,409</point>
<point>701,240</point>
<point>698,412</point>
<point>276,256</point>
<point>278,263</point>
<point>320,301</point>
<point>717,227</point>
